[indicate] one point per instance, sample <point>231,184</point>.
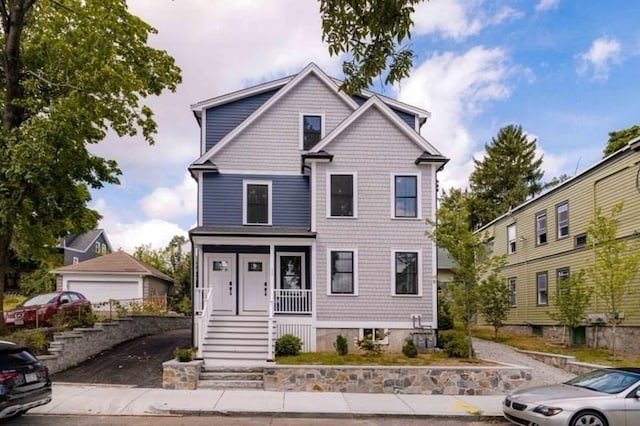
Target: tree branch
<point>51,83</point>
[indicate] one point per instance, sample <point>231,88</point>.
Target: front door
<point>254,287</point>
<point>221,277</point>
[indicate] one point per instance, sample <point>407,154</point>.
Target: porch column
<point>271,322</point>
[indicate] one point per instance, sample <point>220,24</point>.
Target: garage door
<point>100,291</point>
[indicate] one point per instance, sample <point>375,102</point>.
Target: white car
<point>605,397</point>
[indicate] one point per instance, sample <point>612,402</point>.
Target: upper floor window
<point>511,283</point>
<point>581,240</point>
<point>256,206</point>
<point>406,196</point>
<point>562,219</point>
<point>97,247</point>
<point>541,228</point>
<point>312,129</point>
<point>342,195</point>
<point>542,288</point>
<point>75,260</point>
<point>407,273</point>
<point>511,238</point>
<point>342,271</point>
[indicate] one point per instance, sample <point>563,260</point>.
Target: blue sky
<point>566,70</point>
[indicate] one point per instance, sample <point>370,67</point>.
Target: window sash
<point>406,196</point>
<point>562,274</point>
<point>342,272</point>
<point>541,228</point>
<point>541,288</point>
<point>311,130</point>
<point>341,195</point>
<point>562,214</point>
<point>257,203</point>
<point>406,271</point>
<point>511,236</point>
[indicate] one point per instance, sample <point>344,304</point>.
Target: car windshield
<point>607,381</point>
<point>41,299</point>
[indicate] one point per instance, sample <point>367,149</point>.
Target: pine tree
<point>509,174</point>
<point>619,138</point>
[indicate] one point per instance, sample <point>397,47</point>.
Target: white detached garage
<point>115,276</point>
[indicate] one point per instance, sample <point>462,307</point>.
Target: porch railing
<point>203,316</point>
<point>292,301</point>
<point>199,296</point>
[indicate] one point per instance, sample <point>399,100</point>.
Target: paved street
<point>37,420</point>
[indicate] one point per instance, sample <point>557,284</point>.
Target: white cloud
<point>544,5</point>
<point>457,19</point>
<point>170,203</point>
<point>604,53</point>
<point>455,87</point>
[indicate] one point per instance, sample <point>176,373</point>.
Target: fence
<point>116,308</point>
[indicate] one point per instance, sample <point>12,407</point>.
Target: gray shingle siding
<point>410,119</point>
<point>222,119</point>
<point>222,199</point>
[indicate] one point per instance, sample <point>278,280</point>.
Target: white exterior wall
<point>272,142</point>
<point>374,149</point>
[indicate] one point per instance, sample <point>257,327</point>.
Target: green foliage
<point>38,281</point>
<point>341,345</point>
<point>615,265</point>
<point>619,138</point>
<point>72,74</point>
<point>571,301</point>
<point>409,349</point>
<point>445,319</point>
<point>184,354</point>
<point>506,177</point>
<point>455,344</point>
<point>12,300</point>
<point>369,345</point>
<point>287,345</point>
<point>495,306</point>
<point>371,32</point>
<point>36,339</point>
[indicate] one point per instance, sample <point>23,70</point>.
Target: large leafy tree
<point>471,256</point>
<point>371,31</point>
<point>619,138</point>
<point>615,265</point>
<point>507,176</point>
<point>571,302</point>
<point>70,72</point>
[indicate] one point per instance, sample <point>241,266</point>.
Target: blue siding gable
<point>222,119</point>
<point>222,199</point>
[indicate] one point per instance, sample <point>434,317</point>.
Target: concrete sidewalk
<point>124,400</point>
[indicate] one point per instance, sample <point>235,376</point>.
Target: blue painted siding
<point>222,119</point>
<point>222,199</point>
<point>404,116</point>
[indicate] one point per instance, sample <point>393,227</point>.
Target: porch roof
<point>252,231</point>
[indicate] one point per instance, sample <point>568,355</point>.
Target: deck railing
<point>292,301</point>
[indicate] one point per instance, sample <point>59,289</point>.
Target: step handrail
<point>204,315</point>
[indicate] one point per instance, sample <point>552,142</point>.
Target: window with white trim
<point>342,194</point>
<point>511,238</point>
<point>378,335</point>
<point>342,272</point>
<point>541,228</point>
<point>97,247</point>
<point>511,283</point>
<point>406,196</point>
<point>311,130</point>
<point>562,220</point>
<point>406,273</point>
<point>256,208</point>
<point>291,273</point>
<point>542,288</point>
<point>562,276</point>
<point>75,260</point>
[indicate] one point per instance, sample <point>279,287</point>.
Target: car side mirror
<point>637,394</point>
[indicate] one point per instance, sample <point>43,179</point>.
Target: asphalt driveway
<point>137,362</point>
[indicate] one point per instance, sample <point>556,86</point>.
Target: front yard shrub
<point>445,319</point>
<point>341,345</point>
<point>288,344</point>
<point>184,354</point>
<point>36,339</point>
<point>369,346</point>
<point>455,344</point>
<point>409,349</point>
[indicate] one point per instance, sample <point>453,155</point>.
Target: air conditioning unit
<point>599,318</point>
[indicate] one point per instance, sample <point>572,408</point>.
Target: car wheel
<point>589,418</point>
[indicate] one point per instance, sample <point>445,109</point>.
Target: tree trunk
<point>5,242</point>
<point>613,339</point>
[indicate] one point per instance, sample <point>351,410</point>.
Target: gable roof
<point>117,262</point>
<point>376,102</point>
<point>83,242</point>
<point>308,70</point>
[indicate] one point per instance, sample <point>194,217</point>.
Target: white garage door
<point>101,291</point>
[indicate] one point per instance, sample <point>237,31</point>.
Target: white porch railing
<point>206,300</point>
<point>292,301</point>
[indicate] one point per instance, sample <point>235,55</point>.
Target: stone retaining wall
<point>181,375</point>
<point>565,362</point>
<point>70,348</point>
<point>407,380</point>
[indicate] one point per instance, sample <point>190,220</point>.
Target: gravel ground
<point>541,374</point>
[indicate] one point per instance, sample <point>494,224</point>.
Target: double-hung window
<point>406,273</point>
<point>542,288</point>
<point>511,283</point>
<point>562,219</point>
<point>406,196</point>
<point>562,278</point>
<point>541,228</point>
<point>312,130</point>
<point>511,238</point>
<point>342,272</point>
<point>342,195</point>
<point>257,203</point>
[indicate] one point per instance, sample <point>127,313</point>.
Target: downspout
<point>193,317</point>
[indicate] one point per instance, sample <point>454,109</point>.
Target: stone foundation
<point>181,375</point>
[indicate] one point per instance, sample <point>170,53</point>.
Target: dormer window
<point>311,130</point>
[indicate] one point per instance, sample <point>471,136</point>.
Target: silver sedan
<point>606,397</point>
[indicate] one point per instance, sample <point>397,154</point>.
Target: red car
<point>39,310</point>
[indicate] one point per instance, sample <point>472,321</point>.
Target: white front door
<point>254,288</point>
<point>221,277</point>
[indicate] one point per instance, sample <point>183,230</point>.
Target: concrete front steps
<point>233,377</point>
<point>236,338</point>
